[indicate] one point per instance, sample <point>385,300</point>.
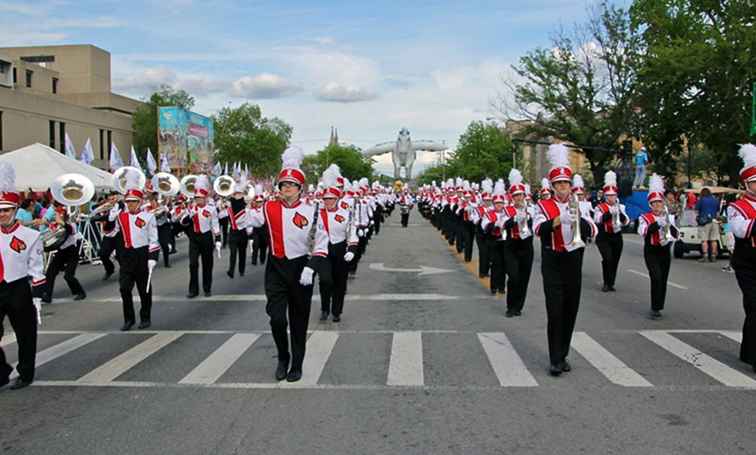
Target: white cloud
<point>147,80</point>
<point>340,93</point>
<point>263,86</point>
<point>94,22</point>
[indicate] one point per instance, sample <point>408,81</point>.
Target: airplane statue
<point>404,151</point>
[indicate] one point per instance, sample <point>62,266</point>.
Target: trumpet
<point>666,231</point>
<point>615,211</point>
<point>577,239</point>
<point>523,224</point>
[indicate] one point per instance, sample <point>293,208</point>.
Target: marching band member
<point>492,224</point>
<point>545,192</point>
<point>578,188</point>
<point>342,243</point>
<point>111,239</point>
<point>484,255</point>
<point>610,217</point>
<point>237,236</point>
<point>741,216</point>
<point>518,248</point>
<point>659,232</point>
<point>223,221</point>
<point>555,222</point>
<point>201,221</point>
<point>162,214</point>
<point>467,206</point>
<point>258,235</point>
<point>299,244</point>
<point>20,258</point>
<point>66,258</point>
<point>139,254</point>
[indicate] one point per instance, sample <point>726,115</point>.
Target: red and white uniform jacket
<point>510,213</point>
<point>289,229</point>
<point>741,217</point>
<point>335,223</point>
<point>222,207</point>
<point>202,219</point>
<point>608,226</point>
<point>560,238</point>
<point>251,212</point>
<point>139,230</point>
<point>492,222</point>
<point>21,255</point>
<point>650,229</point>
<point>237,220</point>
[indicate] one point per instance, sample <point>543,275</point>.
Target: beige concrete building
<point>48,91</point>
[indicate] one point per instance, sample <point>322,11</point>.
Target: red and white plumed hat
<point>610,184</point>
<point>487,187</point>
<point>559,157</point>
<point>259,192</point>
<point>499,192</point>
<point>655,188</point>
<point>9,198</point>
<point>290,172</point>
<point>202,186</point>
<point>330,182</point>
<point>578,185</point>
<point>747,153</point>
<point>515,182</point>
<point>133,190</point>
<point>545,186</point>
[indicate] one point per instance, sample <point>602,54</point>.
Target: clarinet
<point>313,229</point>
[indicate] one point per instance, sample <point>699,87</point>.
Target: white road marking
<point>8,339</point>
<point>406,362</point>
<point>262,298</point>
<point>709,365</point>
<point>423,270</point>
<point>62,349</point>
<point>217,363</point>
<point>609,365</point>
<point>506,363</point>
<point>669,283</point>
<point>733,335</point>
<point>318,350</point>
<point>129,359</point>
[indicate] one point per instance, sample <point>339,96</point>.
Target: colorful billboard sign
<point>186,138</point>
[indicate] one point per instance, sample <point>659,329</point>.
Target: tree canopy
<point>353,164</point>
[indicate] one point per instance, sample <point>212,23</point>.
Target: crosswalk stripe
<point>703,362</point>
<point>733,335</point>
<point>63,348</point>
<point>217,363</point>
<point>8,339</point>
<point>406,362</point>
<point>609,365</point>
<point>127,360</point>
<point>506,363</point>
<point>319,347</point>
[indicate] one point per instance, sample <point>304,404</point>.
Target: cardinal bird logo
<point>139,223</point>
<point>300,220</point>
<point>206,214</point>
<point>17,245</point>
<point>339,218</point>
<point>344,205</point>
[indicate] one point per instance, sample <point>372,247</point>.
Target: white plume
<point>499,188</point>
<point>515,177</point>
<point>747,153</point>
<point>558,155</point>
<point>132,180</point>
<point>292,157</point>
<point>577,181</point>
<point>7,178</point>
<point>433,183</point>
<point>364,182</point>
<point>655,184</point>
<point>487,185</point>
<point>330,175</point>
<point>259,189</point>
<point>610,178</point>
<point>545,183</point>
<point>466,185</point>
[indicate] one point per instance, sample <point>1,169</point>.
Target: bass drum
<point>54,238</point>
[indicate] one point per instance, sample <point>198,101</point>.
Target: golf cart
<point>688,226</point>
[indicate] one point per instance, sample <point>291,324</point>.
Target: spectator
<point>24,214</point>
<point>708,229</point>
<point>673,205</point>
<point>641,160</point>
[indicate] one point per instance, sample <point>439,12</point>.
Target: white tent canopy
<point>37,165</point>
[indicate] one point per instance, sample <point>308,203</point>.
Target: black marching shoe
<point>605,288</point>
<point>208,294</point>
<point>254,261</point>
<point>192,295</point>
<point>282,370</point>
<point>107,276</point>
<point>81,296</point>
<point>20,384</point>
<point>336,318</point>
<point>555,370</point>
<point>4,381</point>
<point>294,375</point>
<point>654,314</point>
<point>566,366</point>
<point>510,313</point>
<point>145,324</point>
<point>518,313</point>
<point>611,289</point>
<point>127,326</point>
<point>323,315</point>
<point>230,274</point>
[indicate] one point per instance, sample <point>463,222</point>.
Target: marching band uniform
<point>20,258</point>
<point>110,242</point>
<point>237,236</point>
<point>484,258</point>
<point>609,238</point>
<point>492,223</point>
<point>162,215</point>
<point>290,268</point>
<point>405,206</point>
<point>656,246</point>
<point>223,221</point>
<point>561,261</point>
<point>203,229</point>
<point>259,235</point>
<point>741,216</point>
<point>518,248</point>
<point>468,226</point>
<point>66,260</point>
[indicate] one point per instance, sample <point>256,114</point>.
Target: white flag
<point>70,150</point>
<point>225,172</point>
<point>87,154</point>
<point>116,162</point>
<point>134,161</point>
<point>217,169</point>
<point>164,166</point>
<point>151,164</point>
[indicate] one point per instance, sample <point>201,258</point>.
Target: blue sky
<point>367,68</point>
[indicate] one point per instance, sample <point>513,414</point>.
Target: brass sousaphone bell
<point>224,186</point>
<point>167,184</point>
<point>188,183</point>
<point>119,178</point>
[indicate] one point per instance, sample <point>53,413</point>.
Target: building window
<point>15,76</point>
<point>52,134</point>
<point>102,144</point>
<point>110,142</point>
<point>29,74</point>
<point>1,130</point>
<point>62,136</point>
<point>55,85</point>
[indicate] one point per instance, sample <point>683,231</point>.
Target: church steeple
<point>334,139</point>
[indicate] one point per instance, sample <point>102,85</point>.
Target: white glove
<point>306,278</point>
<point>360,233</point>
<point>251,246</point>
<point>218,248</point>
<point>37,301</point>
<point>661,222</point>
<point>349,256</point>
<point>151,263</point>
<point>372,222</point>
<point>519,218</point>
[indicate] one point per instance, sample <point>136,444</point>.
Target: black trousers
<point>201,246</point>
<point>165,238</point>
<point>405,219</point>
<point>498,265</point>
<point>259,245</point>
<point>378,217</point>
<point>360,250</point>
<point>610,248</point>
<point>16,303</point>
<point>562,280</point>
<point>333,290</point>
<point>133,270</point>
<point>223,223</point>
<point>285,294</point>
<point>484,257</point>
<point>746,278</point>
<point>459,225</point>
<point>468,233</point>
<point>66,261</point>
<point>237,245</point>
<point>658,260</point>
<point>107,246</point>
<point>518,256</point>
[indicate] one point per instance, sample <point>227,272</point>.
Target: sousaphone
<point>72,191</point>
<point>188,183</point>
<point>224,186</point>
<point>167,184</point>
<point>119,178</point>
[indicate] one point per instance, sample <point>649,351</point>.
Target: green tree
<point>353,164</point>
<point>243,135</point>
<point>145,119</point>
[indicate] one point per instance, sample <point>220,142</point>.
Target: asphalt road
<point>420,364</point>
